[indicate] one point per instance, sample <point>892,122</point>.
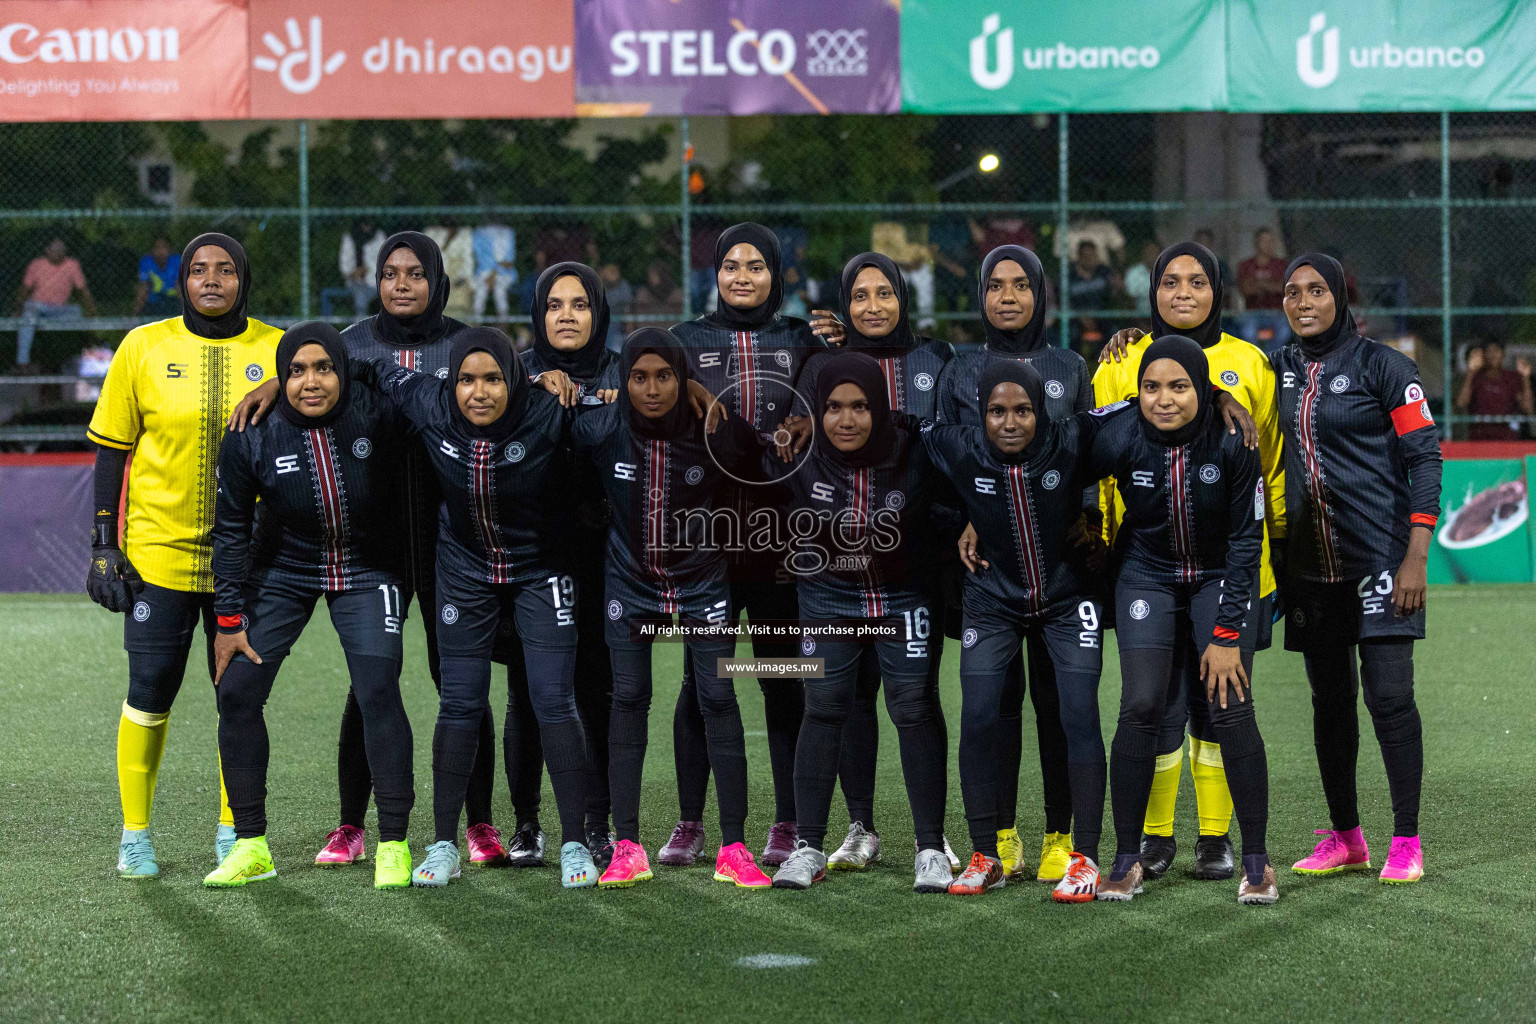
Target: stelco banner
<point>737,56</point>
<point>1381,55</point>
<point>982,56</point>
<point>119,60</point>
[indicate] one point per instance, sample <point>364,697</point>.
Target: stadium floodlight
<point>988,163</point>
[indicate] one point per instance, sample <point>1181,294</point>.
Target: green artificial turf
<point>77,943</point>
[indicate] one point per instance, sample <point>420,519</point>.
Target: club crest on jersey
<point>1053,389</point>
<point>141,611</point>
<point>923,382</point>
<point>782,357</point>
<point>968,638</point>
<point>808,646</point>
<point>442,373</point>
<point>615,610</point>
<point>694,474</point>
<point>253,372</point>
<point>1339,384</point>
<point>516,451</point>
<point>895,500</point>
<point>1050,480</point>
<point>1140,610</point>
<point>1298,616</point>
<point>450,615</point>
<point>1229,378</point>
<point>1210,473</point>
<point>362,448</point>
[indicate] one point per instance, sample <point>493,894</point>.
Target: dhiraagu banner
<point>1381,55</point>
<point>1483,535</point>
<point>979,56</point>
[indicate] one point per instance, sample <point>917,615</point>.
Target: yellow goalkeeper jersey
<point>167,396</point>
<point>1243,371</point>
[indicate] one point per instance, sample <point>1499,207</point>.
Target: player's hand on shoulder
<point>1115,347</point>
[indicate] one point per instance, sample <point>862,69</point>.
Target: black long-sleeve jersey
<point>1194,513</point>
<point>607,376</point>
<point>1022,512</point>
<point>855,543</point>
<point>1362,459</point>
<point>325,520</point>
<point>1068,383</point>
<point>496,520</point>
<point>663,528</point>
<point>415,512</point>
<point>911,377</point>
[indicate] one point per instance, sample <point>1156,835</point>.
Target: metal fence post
<point>685,256</point>
<point>304,219</point>
<point>1445,263</point>
<point>1063,293</point>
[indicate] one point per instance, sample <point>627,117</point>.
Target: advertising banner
<point>404,58</point>
<point>123,60</point>
<point>981,56</point>
<point>1483,535</point>
<point>737,57</point>
<point>42,497</point>
<point>1381,55</point>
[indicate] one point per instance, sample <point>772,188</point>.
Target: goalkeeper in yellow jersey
<point>1186,300</point>
<point>167,395</point>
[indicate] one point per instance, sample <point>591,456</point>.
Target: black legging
<point>244,749</point>
<point>1148,682</point>
<point>913,704</point>
<point>1386,672</point>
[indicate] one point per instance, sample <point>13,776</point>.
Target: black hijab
<point>499,347</point>
<point>232,322</point>
<point>583,364</point>
<point>312,332</point>
<point>1191,357</point>
<point>427,326</point>
<point>1208,332</point>
<point>1343,327</point>
<point>901,339</point>
<point>677,421</point>
<point>1032,335</point>
<point>860,370</point>
<point>767,243</point>
<point>1016,371</point>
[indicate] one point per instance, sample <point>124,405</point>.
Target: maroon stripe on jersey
<point>407,357</point>
<point>1180,519</point>
<point>746,376</point>
<point>1312,461</point>
<point>333,514</point>
<point>891,367</point>
<point>482,502</point>
<point>656,523</point>
<point>1024,536</point>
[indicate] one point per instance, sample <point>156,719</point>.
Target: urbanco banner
<point>405,58</point>
<point>123,60</point>
<point>737,56</point>
<point>1381,55</point>
<point>986,56</point>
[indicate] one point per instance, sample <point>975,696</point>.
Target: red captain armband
<point>1423,519</point>
<point>1414,413</point>
<point>230,621</point>
<point>1223,633</point>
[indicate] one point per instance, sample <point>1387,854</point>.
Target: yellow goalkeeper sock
<point>1164,797</point>
<point>140,744</point>
<point>1213,801</point>
<point>226,816</point>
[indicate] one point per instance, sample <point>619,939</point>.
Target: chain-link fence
<point>1430,214</point>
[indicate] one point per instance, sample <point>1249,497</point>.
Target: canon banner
<point>1382,55</point>
<point>737,57</point>
<point>406,58</point>
<point>122,60</point>
<point>982,56</point>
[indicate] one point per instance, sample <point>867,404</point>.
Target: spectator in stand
<point>1003,230</point>
<point>702,287</point>
<point>1138,278</point>
<point>659,296</point>
<point>950,240</point>
<point>1492,390</point>
<point>458,250</point>
<point>1261,280</point>
<point>93,362</point>
<point>620,295</point>
<point>159,270</point>
<point>495,247</point>
<point>50,282</point>
<point>358,258</point>
<point>1090,285</point>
